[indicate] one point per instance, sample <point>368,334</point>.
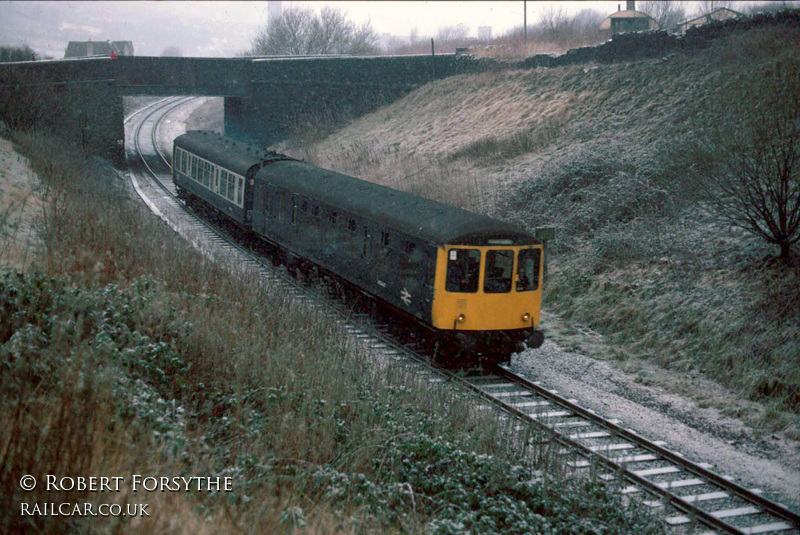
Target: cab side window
<point>463,269</point>
<point>529,264</point>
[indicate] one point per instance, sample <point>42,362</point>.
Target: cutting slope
<point>600,153</point>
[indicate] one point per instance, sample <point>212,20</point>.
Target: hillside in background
<point>602,152</point>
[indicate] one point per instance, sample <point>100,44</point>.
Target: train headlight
<point>526,317</point>
<point>461,318</point>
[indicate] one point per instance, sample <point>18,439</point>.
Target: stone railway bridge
<point>265,98</point>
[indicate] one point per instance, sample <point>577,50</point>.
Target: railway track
<point>689,496</point>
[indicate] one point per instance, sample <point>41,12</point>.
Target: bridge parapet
<point>182,76</point>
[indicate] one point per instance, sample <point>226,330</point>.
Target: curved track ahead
<point>690,495</point>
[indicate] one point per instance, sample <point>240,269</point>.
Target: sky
<point>223,29</point>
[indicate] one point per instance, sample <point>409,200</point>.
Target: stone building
<point>721,13</point>
<point>627,20</point>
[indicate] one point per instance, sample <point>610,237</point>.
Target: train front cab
<point>489,297</point>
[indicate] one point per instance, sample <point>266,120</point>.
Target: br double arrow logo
<point>405,296</point>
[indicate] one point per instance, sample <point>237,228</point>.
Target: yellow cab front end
<point>492,291</point>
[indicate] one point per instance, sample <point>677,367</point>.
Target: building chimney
<point>631,5</point>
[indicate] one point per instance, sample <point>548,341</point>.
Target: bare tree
<point>451,34</point>
<point>301,32</point>
<point>587,24</point>
<point>750,160</point>
<point>556,26</point>
<point>666,14</point>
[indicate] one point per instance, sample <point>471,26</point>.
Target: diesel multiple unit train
<point>471,284</point>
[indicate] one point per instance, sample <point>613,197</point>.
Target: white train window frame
<point>209,175</point>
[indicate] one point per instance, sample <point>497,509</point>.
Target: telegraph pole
<point>525,20</point>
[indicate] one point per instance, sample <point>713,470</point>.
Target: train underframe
<point>448,347</point>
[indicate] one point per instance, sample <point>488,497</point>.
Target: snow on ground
<point>20,210</point>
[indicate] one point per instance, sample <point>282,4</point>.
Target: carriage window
<point>365,244</point>
<point>409,264</point>
<point>267,203</point>
<point>499,265</point>
<point>530,261</point>
<point>332,218</point>
<point>384,252</point>
<point>241,190</point>
<point>351,225</point>
<point>194,167</point>
<point>463,268</point>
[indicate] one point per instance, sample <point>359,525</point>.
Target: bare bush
<point>301,32</point>
<point>666,14</point>
<point>750,158</point>
<point>458,32</point>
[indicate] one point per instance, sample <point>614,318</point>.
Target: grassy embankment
<point>601,153</point>
<point>124,351</point>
